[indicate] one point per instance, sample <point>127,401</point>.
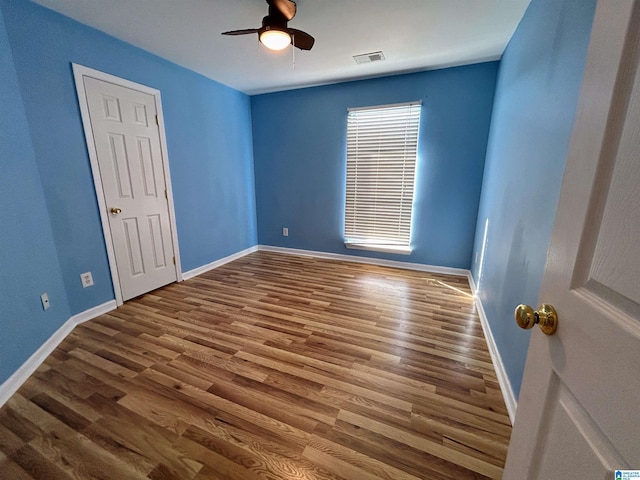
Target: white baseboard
<point>218,263</point>
<point>460,272</point>
<point>15,381</point>
<point>93,313</point>
<point>505,385</point>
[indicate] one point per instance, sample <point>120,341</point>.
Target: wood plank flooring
<point>270,367</point>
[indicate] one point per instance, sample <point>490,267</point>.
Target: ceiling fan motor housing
<point>274,22</point>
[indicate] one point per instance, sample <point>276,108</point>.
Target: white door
<point>128,149</point>
<point>578,413</point>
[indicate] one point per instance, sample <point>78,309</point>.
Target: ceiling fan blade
<point>286,7</point>
<point>301,39</point>
<point>246,31</point>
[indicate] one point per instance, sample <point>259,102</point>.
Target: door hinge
<point>174,259</point>
<point>166,195</point>
<point>157,122</point>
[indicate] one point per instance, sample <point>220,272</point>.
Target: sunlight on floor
<point>462,292</point>
<point>376,284</point>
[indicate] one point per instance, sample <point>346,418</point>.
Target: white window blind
<point>382,144</point>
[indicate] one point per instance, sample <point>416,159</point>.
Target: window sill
<point>379,248</point>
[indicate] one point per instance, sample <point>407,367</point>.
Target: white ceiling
<point>413,35</point>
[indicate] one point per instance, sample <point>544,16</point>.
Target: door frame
<point>79,72</point>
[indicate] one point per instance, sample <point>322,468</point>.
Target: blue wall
<point>29,263</point>
<point>536,96</point>
<point>208,129</point>
<point>49,222</point>
<point>299,140</point>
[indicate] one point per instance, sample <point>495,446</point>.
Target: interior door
<point>579,409</point>
<point>127,142</point>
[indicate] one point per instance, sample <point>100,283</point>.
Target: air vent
<point>369,57</point>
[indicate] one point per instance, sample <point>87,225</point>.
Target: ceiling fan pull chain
<point>293,50</point>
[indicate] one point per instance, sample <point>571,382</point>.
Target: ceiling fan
<point>274,33</point>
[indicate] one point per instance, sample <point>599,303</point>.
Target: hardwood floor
<point>270,367</point>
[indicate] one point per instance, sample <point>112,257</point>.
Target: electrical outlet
<point>285,232</point>
<point>86,279</point>
<point>45,301</point>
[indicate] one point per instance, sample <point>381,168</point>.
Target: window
<point>382,145</point>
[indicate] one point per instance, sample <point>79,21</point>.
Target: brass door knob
<point>115,210</point>
<point>546,317</point>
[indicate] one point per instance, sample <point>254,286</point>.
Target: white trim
<point>472,283</point>
<point>93,312</point>
<point>390,105</point>
<point>218,263</point>
<point>460,272</point>
<point>168,186</point>
<point>80,71</point>
<point>378,248</point>
<point>503,380</point>
<point>15,381</point>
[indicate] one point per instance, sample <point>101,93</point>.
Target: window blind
<point>382,144</point>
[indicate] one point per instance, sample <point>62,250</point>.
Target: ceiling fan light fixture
<point>275,39</point>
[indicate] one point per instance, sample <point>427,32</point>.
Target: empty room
<point>321,239</point>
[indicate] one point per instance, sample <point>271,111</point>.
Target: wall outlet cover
<point>87,279</point>
<point>44,298</point>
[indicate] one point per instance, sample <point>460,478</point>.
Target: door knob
<point>115,211</point>
<point>546,317</point>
